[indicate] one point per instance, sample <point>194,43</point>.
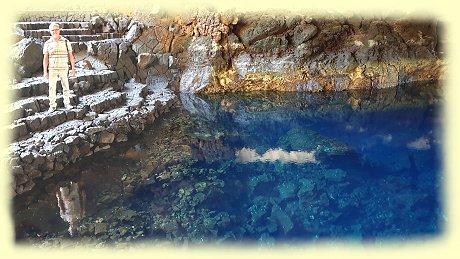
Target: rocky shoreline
<point>85,130</point>
<point>131,65</point>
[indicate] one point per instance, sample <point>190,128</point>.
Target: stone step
<point>93,37</point>
<point>63,121</point>
<point>103,100</point>
<point>111,35</point>
<point>46,145</point>
<point>91,109</point>
<point>142,101</point>
<point>64,32</point>
<point>29,87</point>
<point>135,94</point>
<point>46,153</point>
<point>78,46</point>
<point>32,105</point>
<point>24,128</point>
<point>79,38</point>
<point>36,86</point>
<point>89,105</point>
<point>45,25</point>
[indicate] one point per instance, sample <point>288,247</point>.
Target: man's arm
<point>45,65</point>
<point>72,62</point>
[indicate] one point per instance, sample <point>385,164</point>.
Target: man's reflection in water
<point>71,201</point>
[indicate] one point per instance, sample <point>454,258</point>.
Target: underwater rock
<point>305,192</point>
<point>282,218</point>
<point>286,190</point>
<point>107,198</point>
<point>335,174</point>
<point>308,140</point>
<point>169,225</point>
<point>133,153</point>
<point>198,198</point>
<point>122,231</point>
<point>100,228</point>
<point>259,208</point>
<point>223,219</point>
<point>126,214</point>
<point>209,223</point>
<point>256,180</point>
<point>272,226</point>
<point>200,186</point>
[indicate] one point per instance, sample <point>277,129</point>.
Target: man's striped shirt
<point>58,56</point>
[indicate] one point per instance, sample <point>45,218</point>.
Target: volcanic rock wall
<point>208,51</point>
<point>227,52</point>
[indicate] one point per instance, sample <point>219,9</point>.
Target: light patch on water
<point>421,143</point>
<point>249,155</point>
<point>386,138</point>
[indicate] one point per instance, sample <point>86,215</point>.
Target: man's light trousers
<point>53,76</point>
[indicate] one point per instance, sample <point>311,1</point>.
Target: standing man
<point>57,51</point>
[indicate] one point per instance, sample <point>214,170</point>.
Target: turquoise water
<point>262,168</point>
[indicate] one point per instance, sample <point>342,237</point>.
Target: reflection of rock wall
<point>210,150</point>
<point>356,112</point>
<point>195,105</point>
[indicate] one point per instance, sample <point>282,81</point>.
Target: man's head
<point>54,29</point>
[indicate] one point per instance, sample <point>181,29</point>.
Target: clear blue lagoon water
<point>264,168</point>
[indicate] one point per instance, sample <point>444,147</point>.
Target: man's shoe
<point>51,109</point>
<point>68,107</point>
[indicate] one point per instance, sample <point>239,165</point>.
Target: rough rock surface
<point>204,59</point>
<point>226,51</point>
<point>27,56</point>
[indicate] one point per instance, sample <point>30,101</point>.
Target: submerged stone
<point>287,190</point>
<point>282,218</point>
<point>100,228</point>
<point>259,208</point>
<point>335,174</point>
<point>309,140</point>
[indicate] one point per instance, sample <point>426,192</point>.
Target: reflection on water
<point>261,168</point>
<point>71,202</point>
<point>249,155</point>
<point>422,143</point>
